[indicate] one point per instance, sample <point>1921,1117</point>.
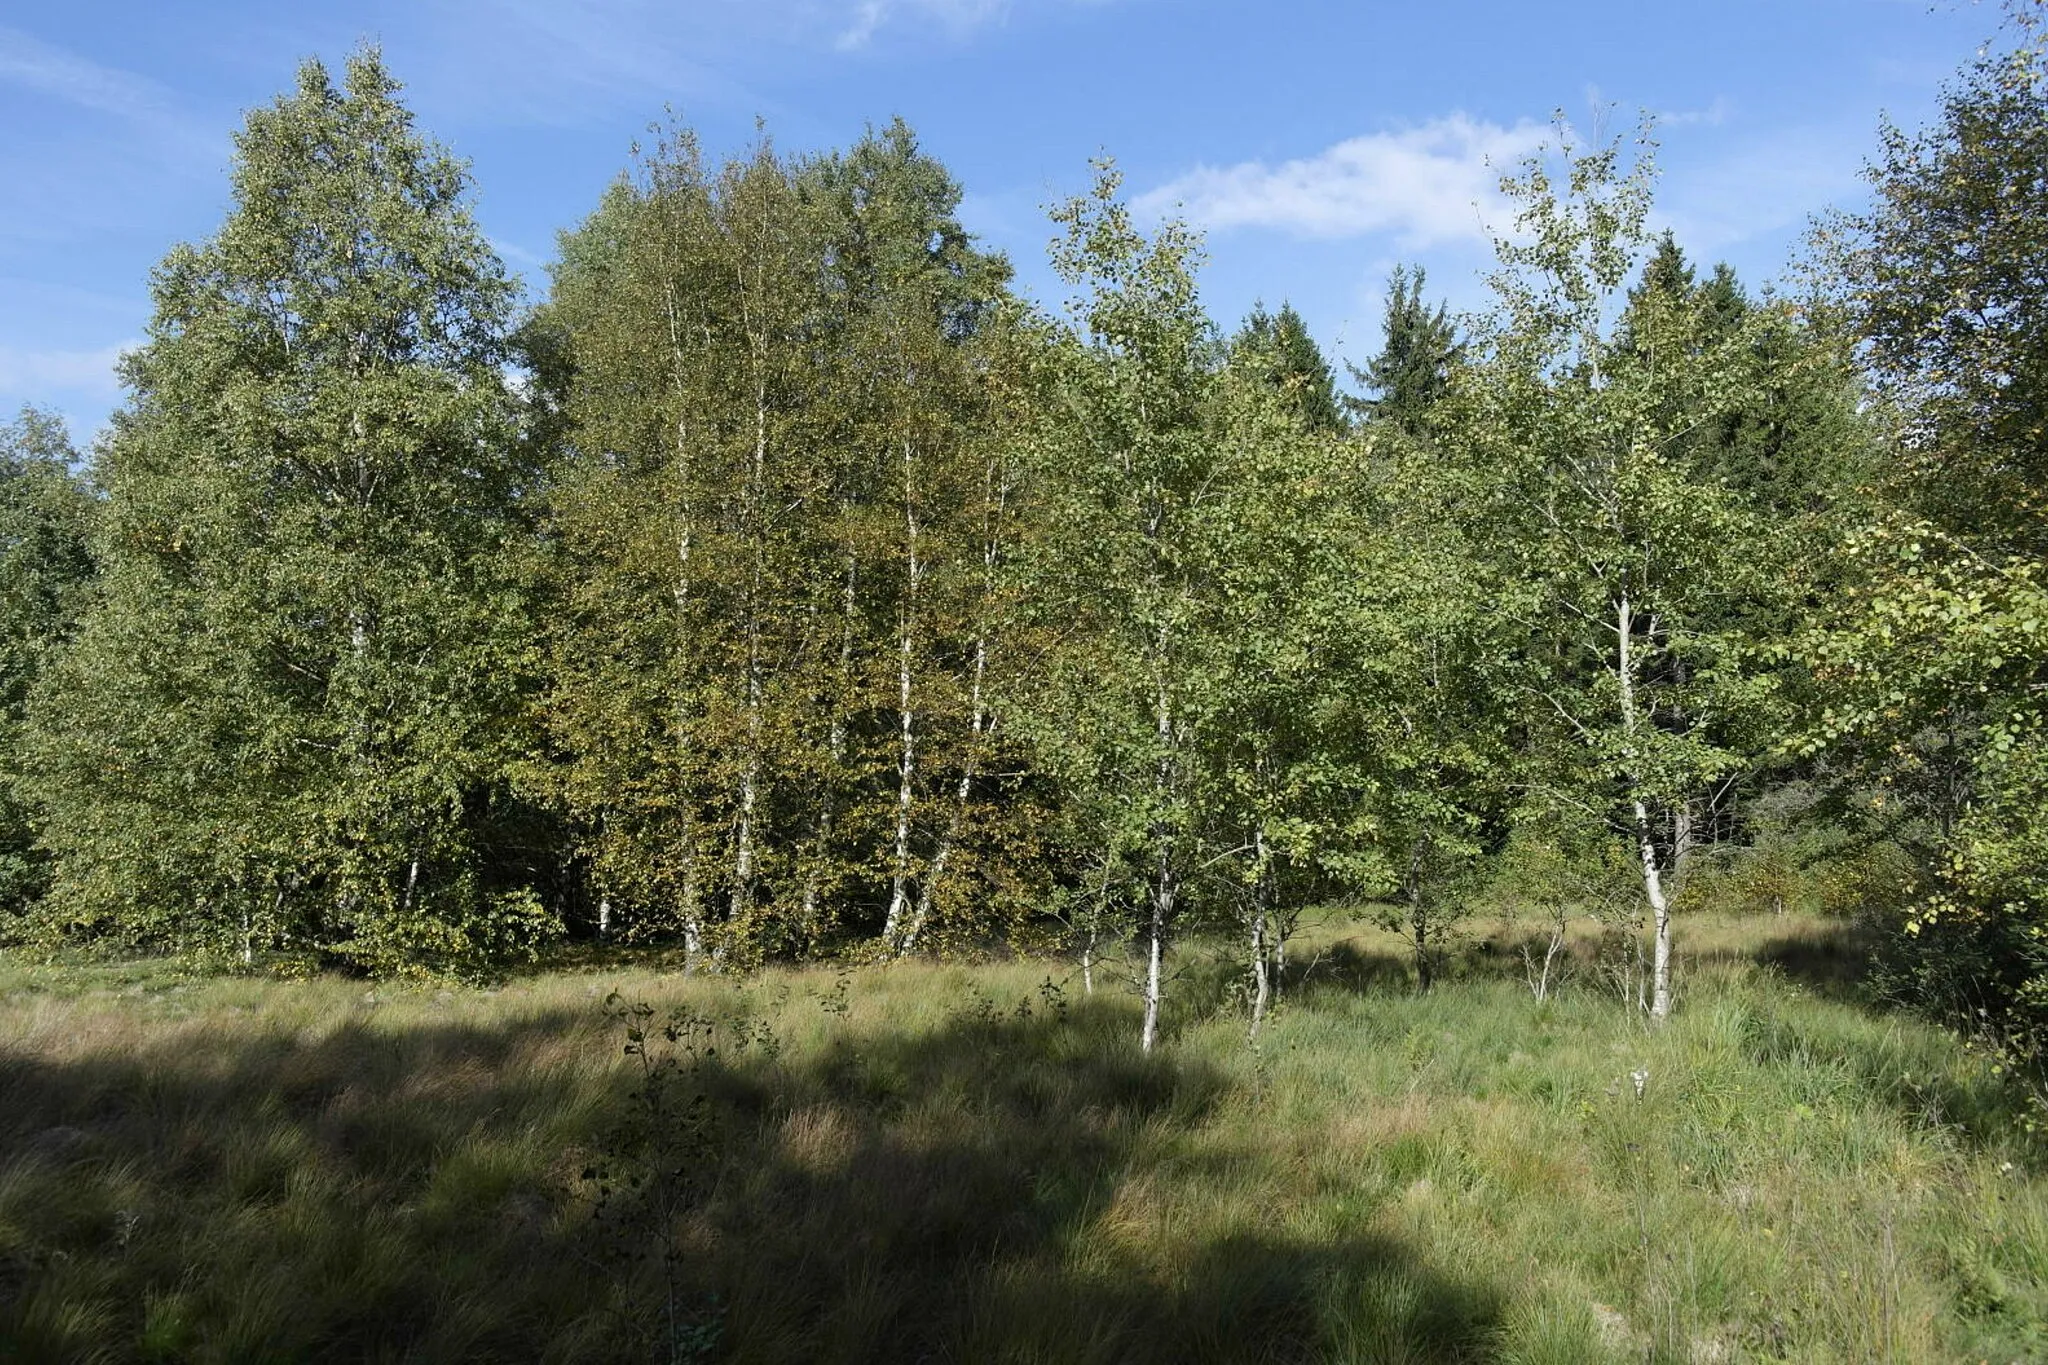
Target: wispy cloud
<point>957,17</point>
<point>1713,116</point>
<point>31,63</point>
<point>152,113</point>
<point>1428,185</point>
<point>1762,188</point>
<point>83,373</point>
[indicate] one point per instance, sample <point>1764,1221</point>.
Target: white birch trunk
<point>691,910</point>
<point>995,496</point>
<point>742,902</point>
<point>1155,950</point>
<point>1645,833</point>
<point>1262,985</point>
<point>1164,884</point>
<point>1653,887</point>
<point>896,927</point>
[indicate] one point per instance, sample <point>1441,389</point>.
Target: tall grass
<point>974,1164</point>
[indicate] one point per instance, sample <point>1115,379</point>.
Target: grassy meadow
<point>976,1164</point>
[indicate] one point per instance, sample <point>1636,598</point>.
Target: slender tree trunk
<point>980,726</point>
<point>1684,843</point>
<point>1262,985</point>
<point>1280,961</point>
<point>1093,937</point>
<point>1155,952</point>
<point>750,773</point>
<point>1645,832</point>
<point>690,910</point>
<point>995,494</point>
<point>1418,917</point>
<point>1262,976</point>
<point>1653,887</point>
<point>896,927</point>
<point>1165,883</point>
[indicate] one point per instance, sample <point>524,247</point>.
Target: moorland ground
<point>976,1163</point>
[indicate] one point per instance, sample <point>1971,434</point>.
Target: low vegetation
<point>978,1163</point>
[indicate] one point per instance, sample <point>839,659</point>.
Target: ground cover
<point>975,1163</point>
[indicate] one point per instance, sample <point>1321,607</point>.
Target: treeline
<point>784,584</point>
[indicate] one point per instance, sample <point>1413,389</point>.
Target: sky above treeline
<point>1316,142</point>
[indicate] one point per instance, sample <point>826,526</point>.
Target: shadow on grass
<point>1834,962</point>
<point>1345,966</point>
<point>989,1188</point>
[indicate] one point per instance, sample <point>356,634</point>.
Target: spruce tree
<point>1278,348</point>
<point>289,718</point>
<point>1413,367</point>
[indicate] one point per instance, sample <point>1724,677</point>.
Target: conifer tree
<point>1279,348</point>
<point>1415,361</point>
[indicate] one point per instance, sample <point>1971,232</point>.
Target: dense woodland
<point>783,585</point>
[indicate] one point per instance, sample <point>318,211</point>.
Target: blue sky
<point>1317,142</point>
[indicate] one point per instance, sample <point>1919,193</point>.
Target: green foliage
<point>1122,561</point>
<point>1278,348</point>
<point>1419,354</point>
<point>1941,280</point>
<point>289,714</point>
<point>1931,673</point>
<point>46,578</point>
<point>1644,588</point>
<point>777,531</point>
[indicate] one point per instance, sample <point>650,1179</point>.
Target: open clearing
<point>975,1163</point>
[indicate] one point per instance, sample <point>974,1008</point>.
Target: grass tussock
<point>947,1163</point>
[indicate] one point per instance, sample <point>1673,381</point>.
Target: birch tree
<point>1121,465</point>
<point>46,580</point>
<point>781,518</point>
<point>1572,438</point>
<point>292,713</point>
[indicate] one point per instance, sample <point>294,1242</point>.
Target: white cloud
<point>1428,185</point>
<point>1713,116</point>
